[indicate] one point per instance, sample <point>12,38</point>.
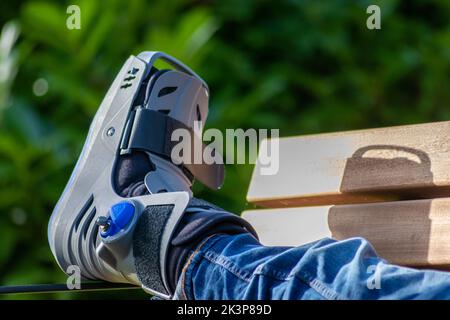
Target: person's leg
<point>239,267</point>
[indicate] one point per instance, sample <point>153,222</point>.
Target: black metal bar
<point>61,287</point>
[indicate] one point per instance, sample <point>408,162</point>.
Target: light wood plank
<point>412,233</point>
<point>406,162</point>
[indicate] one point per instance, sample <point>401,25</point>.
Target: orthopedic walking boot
<point>126,196</point>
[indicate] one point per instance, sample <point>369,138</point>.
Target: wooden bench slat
<point>412,233</point>
<point>406,162</point>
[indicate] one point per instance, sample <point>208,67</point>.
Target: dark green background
<point>301,66</point>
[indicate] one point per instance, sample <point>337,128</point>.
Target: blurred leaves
<point>303,66</point>
<point>8,62</point>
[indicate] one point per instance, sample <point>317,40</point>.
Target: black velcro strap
<point>151,131</point>
<point>147,246</point>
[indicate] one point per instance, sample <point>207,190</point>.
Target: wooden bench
<point>387,185</point>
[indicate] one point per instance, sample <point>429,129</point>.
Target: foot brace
<point>99,223</point>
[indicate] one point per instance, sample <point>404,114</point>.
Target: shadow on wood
<point>400,233</point>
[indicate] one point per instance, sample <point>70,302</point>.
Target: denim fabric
<point>239,267</point>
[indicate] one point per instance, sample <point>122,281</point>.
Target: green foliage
<point>8,60</point>
<point>303,66</point>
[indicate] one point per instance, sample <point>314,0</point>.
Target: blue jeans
<point>239,267</point>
